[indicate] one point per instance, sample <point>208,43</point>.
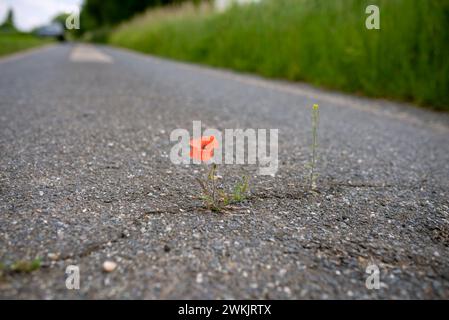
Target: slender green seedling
<point>315,125</point>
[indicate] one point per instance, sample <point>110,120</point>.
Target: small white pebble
<point>53,256</point>
<point>109,266</point>
<point>199,278</point>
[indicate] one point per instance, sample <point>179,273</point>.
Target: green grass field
<point>10,43</point>
<point>318,41</point>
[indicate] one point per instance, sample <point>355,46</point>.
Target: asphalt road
<point>85,177</point>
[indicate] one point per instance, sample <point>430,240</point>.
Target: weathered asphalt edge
<point>397,110</point>
<point>26,53</point>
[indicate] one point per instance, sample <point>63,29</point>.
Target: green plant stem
<point>214,167</point>
<point>315,124</point>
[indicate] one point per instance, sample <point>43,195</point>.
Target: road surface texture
<point>85,178</point>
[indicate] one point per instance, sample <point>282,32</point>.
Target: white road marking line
<point>88,53</point>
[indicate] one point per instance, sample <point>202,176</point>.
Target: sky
<point>32,13</point>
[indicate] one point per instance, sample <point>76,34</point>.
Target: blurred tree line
<point>8,25</point>
<point>98,14</point>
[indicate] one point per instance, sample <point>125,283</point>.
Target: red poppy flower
<point>203,148</point>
